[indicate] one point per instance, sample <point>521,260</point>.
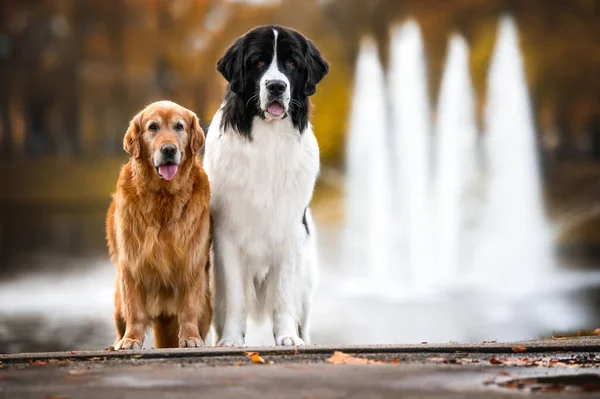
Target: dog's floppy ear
<point>131,141</point>
<point>317,68</point>
<point>196,136</point>
<point>231,66</point>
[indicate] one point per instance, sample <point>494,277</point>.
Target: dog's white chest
<point>261,187</point>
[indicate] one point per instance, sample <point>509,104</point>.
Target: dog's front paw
<point>289,340</point>
<point>231,341</point>
<point>191,342</point>
<point>128,343</point>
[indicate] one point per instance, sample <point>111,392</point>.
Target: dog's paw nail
<point>191,342</point>
<point>128,343</point>
<point>289,341</point>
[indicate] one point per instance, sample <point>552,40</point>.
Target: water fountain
<point>455,167</point>
<point>514,248</point>
<point>467,223</point>
<point>368,191</point>
<point>412,154</point>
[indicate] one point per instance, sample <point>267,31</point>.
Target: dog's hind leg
<point>166,332</point>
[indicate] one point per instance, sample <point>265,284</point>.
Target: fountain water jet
<point>368,181</point>
<point>515,250</point>
<point>456,163</point>
<point>412,152</point>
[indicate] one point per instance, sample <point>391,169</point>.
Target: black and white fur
<point>262,160</point>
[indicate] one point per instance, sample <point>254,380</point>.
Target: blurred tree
<point>75,71</point>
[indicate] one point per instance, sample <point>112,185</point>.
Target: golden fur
<point>159,235</point>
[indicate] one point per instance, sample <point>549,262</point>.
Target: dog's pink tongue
<point>167,171</point>
<point>275,108</point>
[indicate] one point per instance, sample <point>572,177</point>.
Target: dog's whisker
<point>254,97</point>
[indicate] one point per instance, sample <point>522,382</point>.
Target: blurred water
<point>456,168</point>
<point>473,256</point>
<point>368,166</point>
<point>412,156</point>
<point>514,239</point>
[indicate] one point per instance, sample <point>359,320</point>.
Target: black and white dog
<point>262,160</point>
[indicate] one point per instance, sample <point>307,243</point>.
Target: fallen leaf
<point>395,361</point>
<point>75,352</point>
<point>503,373</point>
<point>424,342</point>
<point>468,360</point>
<point>558,338</point>
<point>344,358</point>
<point>40,363</point>
<point>133,356</point>
<point>495,361</point>
<point>255,357</point>
<point>519,348</point>
<point>596,331</point>
<point>95,358</point>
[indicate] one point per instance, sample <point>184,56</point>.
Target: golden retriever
<point>158,231</point>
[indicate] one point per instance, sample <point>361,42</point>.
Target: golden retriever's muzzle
<point>166,160</point>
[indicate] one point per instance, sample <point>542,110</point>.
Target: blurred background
<point>459,198</point>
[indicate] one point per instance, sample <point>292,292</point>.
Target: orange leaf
<point>395,361</point>
<point>495,361</point>
<point>596,331</point>
<point>255,357</point>
<point>519,348</point>
<point>344,358</point>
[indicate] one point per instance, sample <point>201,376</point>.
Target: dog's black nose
<point>276,87</point>
<point>168,150</point>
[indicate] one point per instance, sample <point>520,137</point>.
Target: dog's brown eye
<point>260,63</point>
<point>153,127</point>
<point>178,127</point>
<point>291,64</point>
